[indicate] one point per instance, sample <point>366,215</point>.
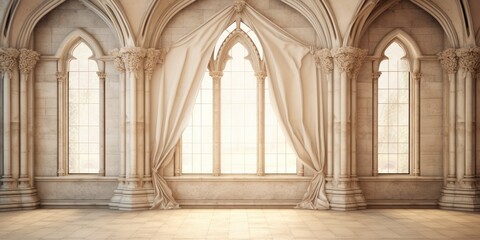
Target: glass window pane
<point>197,139</point>
<point>393,112</point>
<point>84,112</point>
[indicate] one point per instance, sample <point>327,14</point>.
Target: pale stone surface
<point>238,224</point>
<point>427,33</point>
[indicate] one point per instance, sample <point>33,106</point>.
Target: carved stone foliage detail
<point>323,59</point>
<point>469,58</point>
<point>117,61</point>
<point>101,75</point>
<point>61,77</point>
<point>349,59</point>
<point>133,57</point>
<point>28,59</point>
<point>448,60</point>
<point>216,74</point>
<point>376,76</point>
<point>8,59</point>
<point>154,57</point>
<point>261,75</point>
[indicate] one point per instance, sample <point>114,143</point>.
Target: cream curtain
<point>177,84</point>
<point>295,90</point>
<point>297,100</point>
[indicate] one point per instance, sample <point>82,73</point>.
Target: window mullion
<point>216,78</point>
<point>261,75</point>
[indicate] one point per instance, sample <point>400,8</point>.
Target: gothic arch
<point>64,50</point>
<point>235,37</point>
<point>47,6</point>
<point>325,28</point>
<point>405,40</point>
<point>370,13</point>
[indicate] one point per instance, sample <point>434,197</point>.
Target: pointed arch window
<point>394,112</point>
<point>246,136</point>
<point>84,118</point>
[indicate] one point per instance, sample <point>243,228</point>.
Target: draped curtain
<point>294,88</point>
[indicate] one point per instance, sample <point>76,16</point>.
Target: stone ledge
<point>400,178</point>
<point>76,178</point>
<point>239,178</point>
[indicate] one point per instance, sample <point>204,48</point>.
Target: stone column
<point>133,59</point>
<point>216,77</point>
<point>324,60</point>
<point>62,128</point>
<point>353,149</point>
<point>460,191</point>
<point>120,66</point>
<point>15,196</point>
<point>153,57</point>
<point>375,77</point>
<point>27,61</point>
<point>101,78</point>
<point>8,64</point>
<point>344,193</point>
<point>469,61</point>
<point>261,122</point>
<point>133,194</point>
<point>416,123</point>
<point>449,61</point>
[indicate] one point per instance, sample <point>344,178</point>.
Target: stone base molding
<point>462,197</point>
<point>18,199</point>
<point>131,194</point>
<point>345,195</point>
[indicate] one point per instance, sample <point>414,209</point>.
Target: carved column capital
<point>448,60</point>
<point>417,76</point>
<point>324,59</point>
<point>61,77</point>
<point>133,57</point>
<point>102,75</point>
<point>8,59</point>
<point>216,75</point>
<point>469,58</point>
<point>117,60</point>
<point>349,59</point>
<point>27,60</point>
<point>261,75</point>
<point>153,57</point>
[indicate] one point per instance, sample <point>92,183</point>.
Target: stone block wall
<point>428,35</point>
<point>49,33</point>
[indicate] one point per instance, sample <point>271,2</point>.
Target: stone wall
<point>428,35</point>
<point>49,33</point>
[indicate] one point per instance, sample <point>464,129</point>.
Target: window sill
<point>77,178</point>
<point>239,178</point>
<point>399,178</point>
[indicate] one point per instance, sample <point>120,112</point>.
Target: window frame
<point>413,55</point>
<point>64,56</point>
<point>404,58</point>
<point>216,66</point>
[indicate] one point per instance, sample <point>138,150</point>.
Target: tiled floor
<point>238,224</point>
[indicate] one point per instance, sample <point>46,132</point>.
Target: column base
<point>344,194</point>
<point>132,194</point>
<point>463,196</point>
<point>18,199</point>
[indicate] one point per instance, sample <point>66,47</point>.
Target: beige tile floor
<point>239,224</point>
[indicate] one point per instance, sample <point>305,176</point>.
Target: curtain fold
<point>296,92</point>
<point>178,83</point>
<point>297,98</point>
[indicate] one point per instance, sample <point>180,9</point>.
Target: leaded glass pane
<point>393,112</point>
